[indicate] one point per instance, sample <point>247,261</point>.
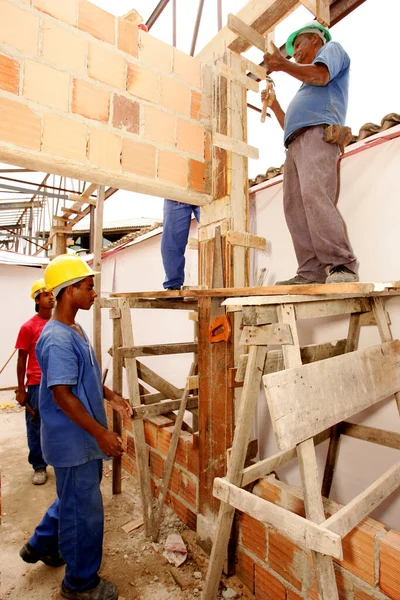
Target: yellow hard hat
<point>38,287</point>
<point>64,268</point>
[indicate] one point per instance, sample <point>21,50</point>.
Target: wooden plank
<point>257,70</point>
<point>352,341</point>
<point>247,240</point>
<point>241,28</point>
<point>237,76</point>
<point>303,532</point>
<point>382,321</point>
<point>81,199</point>
<point>158,349</point>
<point>169,463</point>
<point>192,382</point>
<point>241,370</point>
<point>390,439</point>
<point>117,375</point>
<point>239,448</point>
<point>323,565</point>
<point>266,334</point>
<point>309,354</point>
<point>177,304</point>
<point>298,412</point>
<point>97,247</point>
<point>236,146</point>
<point>362,505</point>
<point>266,466</point>
<point>157,382</point>
<point>138,427</point>
<point>161,408</point>
<point>207,232</point>
<point>320,9</point>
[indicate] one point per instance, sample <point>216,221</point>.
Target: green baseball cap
<point>308,28</point>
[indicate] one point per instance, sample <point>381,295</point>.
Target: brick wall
<point>88,94</point>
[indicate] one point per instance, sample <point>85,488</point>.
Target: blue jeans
<point>176,225</point>
<point>74,524</point>
<point>35,457</point>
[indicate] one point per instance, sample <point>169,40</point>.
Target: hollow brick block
<point>286,558</point>
<point>245,568</point>
<point>253,535</point>
<point>107,66</point>
<point>268,587</point>
<point>125,114</point>
<point>187,68</point>
<point>128,37</point>
<point>193,457</point>
<point>360,595</point>
<point>183,449</point>
<point>190,137</point>
<point>184,513</point>
<point>172,167</point>
<point>105,149</point>
<point>127,423</point>
<point>150,433</point>
<point>64,48</point>
<point>164,439</point>
<point>64,137</point>
<point>90,101</point>
<point>46,85</point>
<point>196,106</point>
<point>197,176</point>
<point>154,52</point>
<point>19,28</point>
<point>130,444</point>
<point>188,489</point>
<point>9,74</point>
<point>159,126</point>
<point>19,125</point>
<point>140,159</point>
<point>127,464</point>
<point>157,464</point>
<point>293,596</point>
<point>144,83</point>
<point>64,10</point>
<point>344,585</point>
<point>175,96</point>
<point>96,21</point>
<point>389,567</point>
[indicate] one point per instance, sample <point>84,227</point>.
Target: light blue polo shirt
<point>65,358</point>
<point>315,105</point>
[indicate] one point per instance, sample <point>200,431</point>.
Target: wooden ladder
<point>295,380</point>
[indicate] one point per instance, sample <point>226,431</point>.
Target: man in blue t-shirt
<point>75,438</point>
<point>310,181</point>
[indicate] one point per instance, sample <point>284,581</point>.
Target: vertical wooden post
<point>98,242</point>
<point>117,388</point>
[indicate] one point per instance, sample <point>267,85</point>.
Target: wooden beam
<point>242,29</point>
<point>257,70</point>
<point>241,78</point>
<point>320,10</point>
<point>161,408</point>
<point>157,382</point>
<point>307,534</point>
<point>297,410</point>
<point>157,350</point>
<point>360,507</point>
<point>390,439</point>
<point>98,244</point>
<point>266,334</point>
<point>246,240</point>
<point>236,146</point>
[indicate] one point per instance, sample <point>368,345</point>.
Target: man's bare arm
<point>317,75</point>
<point>21,393</point>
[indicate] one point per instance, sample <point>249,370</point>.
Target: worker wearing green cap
<point>310,184</point>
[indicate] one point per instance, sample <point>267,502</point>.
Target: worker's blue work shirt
<point>65,358</point>
<point>316,105</point>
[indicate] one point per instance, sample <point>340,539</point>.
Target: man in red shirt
<point>27,365</point>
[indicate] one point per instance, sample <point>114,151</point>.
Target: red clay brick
<point>184,446</point>
<point>175,481</point>
<point>19,28</point>
<point>270,491</point>
<point>286,558</point>
<point>138,158</point>
<point>175,96</point>
<point>105,149</point>
<point>187,68</point>
<point>164,438</point>
<point>46,85</point>
<point>64,137</point>
<point>190,137</point>
<point>127,464</point>
<point>9,74</point>
<point>144,83</point>
<point>90,101</point>
<point>344,586</point>
<point>196,106</point>
<point>268,587</point>
<point>197,176</point>
<point>63,11</point>
<point>184,513</point>
<point>128,37</point>
<point>172,168</point>
<point>107,65</point>
<point>154,52</point>
<point>193,460</point>
<point>359,595</point>
<point>389,567</point>
<point>96,21</point>
<point>64,48</point>
<point>207,146</point>
<point>19,125</point>
<point>253,535</point>
<point>131,447</point>
<point>293,596</point>
<point>157,464</point>
<point>359,550</point>
<point>245,569</point>
<point>188,490</point>
<point>150,433</point>
<point>159,126</point>
<point>125,114</point>
<point>127,423</point>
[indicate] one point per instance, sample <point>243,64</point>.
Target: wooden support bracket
<point>241,78</point>
<point>237,146</point>
<point>320,9</point>
<point>247,240</point>
<point>241,28</point>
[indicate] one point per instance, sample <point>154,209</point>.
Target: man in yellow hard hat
<point>310,180</point>
<point>75,438</point>
<point>27,393</point>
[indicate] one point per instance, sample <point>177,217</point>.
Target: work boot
<point>30,555</point>
<point>298,280</point>
<point>105,590</point>
<point>39,477</point>
<point>341,274</point>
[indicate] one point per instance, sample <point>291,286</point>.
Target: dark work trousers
<point>74,524</point>
<point>35,457</point>
<point>176,225</point>
<point>310,184</point>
